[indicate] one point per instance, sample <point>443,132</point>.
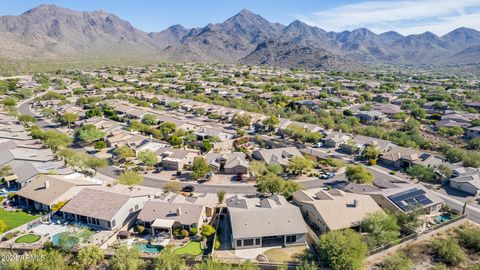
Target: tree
<point>125,259</point>
<point>124,152</point>
<point>94,112</point>
<point>172,187</point>
<point>271,123</point>
<point>398,261</point>
<point>359,174</point>
<point>99,145</point>
<point>307,265</point>
<point>200,168</point>
<point>257,168</point>
<point>270,183</point>
<point>51,260</point>
<point>448,251</point>
<point>175,140</point>
<point>67,154</point>
<point>220,196</point>
<point>148,158</point>
<point>298,165</point>
<point>206,146</point>
<point>48,112</point>
<point>5,170</point>
<point>130,178</point>
<point>67,119</point>
<point>242,120</point>
<point>371,152</point>
<point>290,187</point>
<point>444,170</point>
<point>207,230</point>
<point>275,168</point>
<point>25,119</point>
<point>96,163</point>
<point>89,133</point>
<point>149,119</point>
<point>451,131</point>
<point>90,256</point>
<point>342,249</point>
<point>3,226</point>
<point>469,238</point>
<point>55,140</point>
<point>422,173</point>
<point>168,260</point>
<point>381,228</point>
<point>474,144</point>
<point>210,264</point>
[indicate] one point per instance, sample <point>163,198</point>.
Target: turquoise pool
<point>55,239</point>
<point>443,218</point>
<point>148,248</point>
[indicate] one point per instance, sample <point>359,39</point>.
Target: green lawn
<point>15,219</point>
<point>191,248</point>
<point>28,238</point>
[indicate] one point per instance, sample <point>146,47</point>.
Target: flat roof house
<point>264,222</point>
<point>334,209</point>
<point>104,208</point>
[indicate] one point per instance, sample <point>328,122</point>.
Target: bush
<point>139,229</point>
<point>217,244</point>
<point>439,266</point>
<point>342,249</point>
<point>8,236</point>
<point>397,262</point>
<point>470,238</point>
<point>448,251</point>
<point>193,231</point>
<point>184,233</point>
<point>372,162</point>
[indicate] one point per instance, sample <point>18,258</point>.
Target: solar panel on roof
<point>405,200</point>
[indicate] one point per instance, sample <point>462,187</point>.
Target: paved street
<point>379,173</point>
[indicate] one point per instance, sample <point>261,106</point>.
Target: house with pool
<point>107,208</point>
<point>161,218</point>
<point>263,222</point>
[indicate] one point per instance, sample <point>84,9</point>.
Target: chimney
<point>47,184</point>
<point>179,211</point>
<point>355,203</point>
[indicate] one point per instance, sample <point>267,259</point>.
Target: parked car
<point>317,145</point>
<point>327,175</point>
<point>188,188</point>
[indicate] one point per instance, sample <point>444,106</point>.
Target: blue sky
<point>404,16</point>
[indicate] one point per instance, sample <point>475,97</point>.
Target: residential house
<point>163,217</point>
<point>467,180</point>
<point>280,156</point>
<point>472,132</point>
<point>264,222</point>
<point>334,139</point>
<point>371,116</point>
<point>45,191</point>
<point>208,132</point>
<point>228,163</point>
<point>329,210</point>
<point>176,159</point>
<point>105,208</point>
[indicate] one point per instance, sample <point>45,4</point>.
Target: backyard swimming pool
<point>148,248</point>
<point>443,218</point>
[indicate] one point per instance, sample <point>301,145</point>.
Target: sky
<point>403,16</point>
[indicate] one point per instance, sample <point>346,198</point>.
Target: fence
<point>415,236</point>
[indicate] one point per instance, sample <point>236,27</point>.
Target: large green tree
<point>126,259</point>
<point>200,168</point>
<point>147,157</point>
<point>381,228</point>
<point>89,133</point>
<point>90,256</point>
<point>359,174</point>
<point>130,178</point>
<point>342,249</point>
<point>298,165</point>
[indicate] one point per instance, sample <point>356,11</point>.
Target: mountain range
<point>53,32</point>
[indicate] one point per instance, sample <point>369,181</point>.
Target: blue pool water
<point>55,239</point>
<point>148,248</point>
<point>442,218</point>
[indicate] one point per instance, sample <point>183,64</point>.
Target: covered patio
<point>162,228</point>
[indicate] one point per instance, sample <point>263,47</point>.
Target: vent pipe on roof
<point>355,203</point>
<point>179,211</point>
<point>47,184</point>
